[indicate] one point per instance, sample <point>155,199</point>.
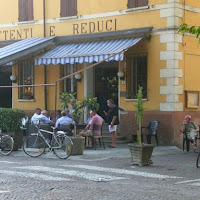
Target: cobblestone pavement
<point>100,175</point>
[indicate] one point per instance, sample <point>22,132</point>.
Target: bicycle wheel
<point>198,160</point>
<point>34,145</point>
<point>63,146</point>
<point>6,144</point>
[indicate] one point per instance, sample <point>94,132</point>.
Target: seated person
<point>189,127</point>
<point>36,114</point>
<point>95,120</point>
<point>64,121</point>
<point>44,119</point>
<point>58,115</point>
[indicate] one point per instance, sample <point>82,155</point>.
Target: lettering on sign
<point>94,27</point>
<point>16,34</point>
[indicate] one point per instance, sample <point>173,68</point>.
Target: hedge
<point>10,119</point>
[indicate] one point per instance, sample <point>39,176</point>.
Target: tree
<point>193,30</point>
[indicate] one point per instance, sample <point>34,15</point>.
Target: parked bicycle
<point>6,144</point>
<point>35,144</point>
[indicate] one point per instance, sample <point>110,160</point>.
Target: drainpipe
<point>44,17</point>
<point>45,67</point>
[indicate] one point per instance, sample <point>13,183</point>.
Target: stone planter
<point>141,154</point>
<point>78,145</point>
<point>17,137</point>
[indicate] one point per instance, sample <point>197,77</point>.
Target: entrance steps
<point>108,137</point>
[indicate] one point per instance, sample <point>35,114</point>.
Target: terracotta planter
<point>17,137</point>
<point>141,154</point>
<point>78,145</point>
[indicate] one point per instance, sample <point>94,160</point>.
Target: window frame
<point>25,93</point>
<point>64,71</point>
<point>130,93</point>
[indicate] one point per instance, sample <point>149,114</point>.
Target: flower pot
<point>17,137</point>
<point>78,145</point>
<point>141,154</point>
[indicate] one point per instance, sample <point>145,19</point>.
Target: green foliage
<point>184,28</point>
<point>78,106</point>
<point>10,119</point>
<point>139,113</point>
<point>65,99</point>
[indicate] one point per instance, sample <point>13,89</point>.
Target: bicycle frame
<point>49,132</point>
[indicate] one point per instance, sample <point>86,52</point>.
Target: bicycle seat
<point>61,132</point>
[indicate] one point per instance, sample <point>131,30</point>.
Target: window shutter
<point>63,8</point>
<point>68,8</point>
<point>73,7</point>
<point>30,10</point>
<point>22,10</point>
<point>132,3</point>
<point>142,3</point>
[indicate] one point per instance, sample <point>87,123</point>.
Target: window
<point>68,8</point>
<point>137,3</point>
<point>70,84</point>
<point>26,78</point>
<point>136,76</point>
<point>25,10</point>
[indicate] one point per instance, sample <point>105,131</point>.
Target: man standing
<point>113,121</point>
<point>36,114</point>
<point>89,129</point>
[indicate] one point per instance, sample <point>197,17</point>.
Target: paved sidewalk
<point>122,151</point>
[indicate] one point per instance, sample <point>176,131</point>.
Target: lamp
<point>120,74</point>
<point>78,77</point>
<point>13,78</point>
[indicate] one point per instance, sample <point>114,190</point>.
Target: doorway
<point>5,93</point>
<point>106,85</point>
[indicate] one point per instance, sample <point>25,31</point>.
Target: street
<point>101,174</point>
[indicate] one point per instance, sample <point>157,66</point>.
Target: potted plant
<point>10,124</point>
<point>78,110</point>
<point>140,153</point>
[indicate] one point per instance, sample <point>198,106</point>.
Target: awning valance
<point>23,48</point>
<point>87,52</point>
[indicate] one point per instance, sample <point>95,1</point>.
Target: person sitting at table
<point>43,119</point>
<point>95,120</point>
<point>36,114</point>
<point>189,127</point>
<point>64,123</point>
<point>58,115</point>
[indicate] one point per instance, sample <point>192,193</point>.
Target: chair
<point>65,128</point>
<point>152,131</point>
<point>97,137</point>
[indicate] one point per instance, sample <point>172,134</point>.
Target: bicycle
<point>35,144</point>
<point>6,144</point>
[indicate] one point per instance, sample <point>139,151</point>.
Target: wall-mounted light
<point>120,74</point>
<point>78,77</point>
<point>13,78</point>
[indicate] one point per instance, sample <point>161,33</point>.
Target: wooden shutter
<point>63,8</point>
<point>141,3</point>
<point>72,7</point>
<point>68,8</point>
<point>22,10</point>
<point>29,10</point>
<point>132,3</point>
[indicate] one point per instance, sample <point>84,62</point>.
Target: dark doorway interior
<point>5,93</point>
<point>106,84</point>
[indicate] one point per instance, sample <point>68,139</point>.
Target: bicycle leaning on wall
<point>35,144</point>
<point>6,144</point>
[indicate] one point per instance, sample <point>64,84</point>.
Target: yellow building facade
<point>164,62</point>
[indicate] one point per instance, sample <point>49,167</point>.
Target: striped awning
<point>23,48</point>
<point>87,52</point>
